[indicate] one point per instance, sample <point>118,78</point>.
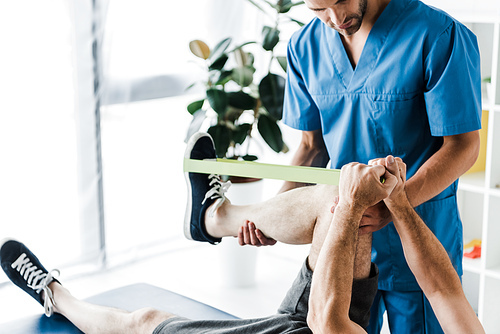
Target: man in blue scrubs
<point>369,78</point>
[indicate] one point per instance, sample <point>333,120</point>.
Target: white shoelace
<point>37,280</point>
<point>217,191</point>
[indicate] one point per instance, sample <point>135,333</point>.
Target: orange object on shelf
<point>473,243</point>
<point>474,253</point>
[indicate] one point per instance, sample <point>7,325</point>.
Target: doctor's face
<point>345,16</point>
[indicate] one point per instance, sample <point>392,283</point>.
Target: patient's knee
<point>145,320</point>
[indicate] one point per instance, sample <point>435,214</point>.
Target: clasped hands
<point>360,185</point>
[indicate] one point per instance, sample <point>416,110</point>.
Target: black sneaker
<point>25,270</point>
<point>203,189</point>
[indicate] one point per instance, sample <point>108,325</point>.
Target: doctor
<point>369,78</point>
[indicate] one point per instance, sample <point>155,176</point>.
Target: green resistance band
<point>263,171</point>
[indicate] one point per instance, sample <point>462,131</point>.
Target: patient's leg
<point>91,318</point>
<point>362,261</point>
<point>25,270</point>
<point>290,217</point>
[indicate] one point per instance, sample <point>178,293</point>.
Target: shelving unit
<point>479,193</point>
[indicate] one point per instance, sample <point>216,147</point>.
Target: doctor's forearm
<point>430,264</point>
<point>454,158</point>
<point>311,152</point>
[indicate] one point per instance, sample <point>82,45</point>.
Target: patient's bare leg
<point>25,270</point>
<point>91,318</point>
<point>290,217</point>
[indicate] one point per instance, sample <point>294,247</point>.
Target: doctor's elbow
<point>466,145</point>
<point>473,146</point>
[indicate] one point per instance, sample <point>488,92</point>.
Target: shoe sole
<point>187,217</point>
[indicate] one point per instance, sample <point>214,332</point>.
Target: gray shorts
<point>291,316</point>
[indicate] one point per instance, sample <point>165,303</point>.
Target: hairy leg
<point>91,318</point>
<point>289,217</point>
<point>362,260</point>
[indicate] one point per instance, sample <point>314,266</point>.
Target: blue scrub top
<point>417,80</point>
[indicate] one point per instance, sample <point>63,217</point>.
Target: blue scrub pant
<point>407,312</point>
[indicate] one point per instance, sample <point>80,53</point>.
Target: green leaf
<point>271,37</point>
<point>241,132</point>
<point>218,100</point>
<point>191,86</point>
<point>195,106</point>
<point>219,63</point>
<point>222,138</point>
<point>220,48</point>
<point>300,23</point>
<point>199,49</point>
<point>224,77</point>
<point>241,100</point>
<point>243,76</point>
<point>272,93</point>
<point>249,157</point>
<point>282,61</point>
<point>285,8</point>
<point>232,114</point>
<point>270,131</point>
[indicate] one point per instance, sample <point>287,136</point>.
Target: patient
<point>336,285</point>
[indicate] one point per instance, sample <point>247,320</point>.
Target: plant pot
<point>238,263</point>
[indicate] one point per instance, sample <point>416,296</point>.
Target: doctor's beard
<point>357,20</point>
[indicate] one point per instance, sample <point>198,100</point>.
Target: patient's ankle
<point>216,224</point>
<point>57,290</point>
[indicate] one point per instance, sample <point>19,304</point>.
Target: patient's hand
<point>375,218</point>
<point>248,234</point>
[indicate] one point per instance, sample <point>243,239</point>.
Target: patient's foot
<point>25,270</point>
<point>204,191</point>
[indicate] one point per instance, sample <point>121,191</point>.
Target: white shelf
<point>489,107</point>
<point>493,272</point>
<point>472,265</point>
<point>478,201</point>
<point>473,182</point>
<point>495,192</point>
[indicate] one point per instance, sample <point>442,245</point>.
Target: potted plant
<point>234,100</point>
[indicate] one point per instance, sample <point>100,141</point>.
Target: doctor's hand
<point>398,195</point>
<point>396,167</point>
<point>248,234</point>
